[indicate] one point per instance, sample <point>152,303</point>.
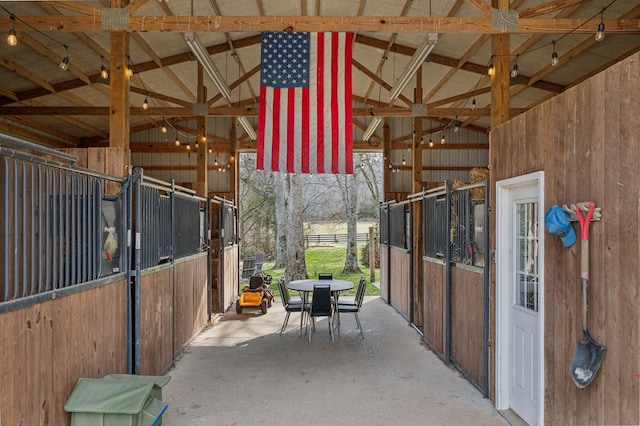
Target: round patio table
<point>306,287</point>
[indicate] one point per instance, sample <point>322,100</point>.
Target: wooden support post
<point>201,186</point>
<point>234,184</point>
<point>372,256</point>
<point>386,153</point>
<point>416,212</point>
<point>119,126</point>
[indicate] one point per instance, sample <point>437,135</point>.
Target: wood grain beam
<point>381,24</point>
<point>243,112</point>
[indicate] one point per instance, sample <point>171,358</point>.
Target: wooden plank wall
<point>48,346</point>
<point>467,322</point>
<point>434,305</point>
<point>189,299</point>
<point>384,268</point>
<point>400,261</point>
<point>587,141</point>
<point>231,277</point>
<point>156,321</point>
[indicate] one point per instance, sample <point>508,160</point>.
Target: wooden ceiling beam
<point>548,8</point>
<point>380,24</point>
<point>239,112</point>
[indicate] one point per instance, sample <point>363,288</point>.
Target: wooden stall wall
<point>467,322</point>
<point>400,273</point>
<point>189,299</point>
<point>156,320</point>
<point>231,284</point>
<point>434,305</point>
<point>587,141</point>
<point>384,272</point>
<point>48,346</point>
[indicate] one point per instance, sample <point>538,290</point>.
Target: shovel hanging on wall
<point>589,354</point>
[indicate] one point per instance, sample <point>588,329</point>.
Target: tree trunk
<point>281,209</point>
<point>350,198</point>
<point>296,264</point>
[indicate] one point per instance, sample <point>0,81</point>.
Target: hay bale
<point>478,174</point>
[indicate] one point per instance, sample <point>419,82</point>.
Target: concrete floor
<point>240,371</point>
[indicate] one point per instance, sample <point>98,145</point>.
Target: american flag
<point>304,123</point>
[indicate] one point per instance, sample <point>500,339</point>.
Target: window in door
<point>526,294</point>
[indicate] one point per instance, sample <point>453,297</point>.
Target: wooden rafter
<point>380,24</point>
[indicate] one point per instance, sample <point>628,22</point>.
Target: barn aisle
<point>241,371</point>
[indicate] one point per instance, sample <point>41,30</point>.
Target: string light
<point>600,32</point>
<point>456,125</point>
<point>430,142</point>
<point>188,147</point>
<point>514,70</point>
<point>12,38</point>
<point>554,55</point>
<point>491,70</point>
<point>442,139</point>
<point>164,127</point>
<point>104,74</point>
<point>129,70</point>
<point>65,61</point>
<point>145,104</point>
<point>473,104</point>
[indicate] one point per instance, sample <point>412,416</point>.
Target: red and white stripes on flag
<point>305,123</point>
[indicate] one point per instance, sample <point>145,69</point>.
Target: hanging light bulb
<point>188,147</point>
<point>177,141</point>
<point>104,74</point>
<point>65,61</point>
<point>163,129</point>
<point>514,70</point>
<point>491,70</point>
<point>554,56</point>
<point>210,150</point>
<point>442,139</point>
<point>215,162</point>
<point>145,104</point>
<point>129,69</point>
<point>404,163</point>
<point>600,32</point>
<point>473,104</point>
<point>456,125</point>
<point>430,142</point>
<point>12,38</point>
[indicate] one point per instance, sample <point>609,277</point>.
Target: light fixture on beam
<point>409,72</point>
<point>248,127</point>
<point>201,53</point>
<point>416,61</point>
<point>371,128</point>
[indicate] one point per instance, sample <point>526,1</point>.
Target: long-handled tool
<point>588,355</point>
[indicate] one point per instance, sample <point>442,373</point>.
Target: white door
<point>520,298</point>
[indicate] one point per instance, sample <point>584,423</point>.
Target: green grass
<point>328,259</point>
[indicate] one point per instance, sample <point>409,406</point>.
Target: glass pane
<point>526,294</point>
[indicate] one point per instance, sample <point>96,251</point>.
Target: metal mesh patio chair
<point>321,306</point>
<point>289,304</point>
<point>353,307</point>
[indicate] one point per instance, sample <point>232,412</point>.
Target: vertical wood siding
<point>156,321</point>
<point>189,300</point>
<point>46,347</point>
<point>434,303</point>
<point>400,276</point>
<point>587,141</point>
<point>467,322</point>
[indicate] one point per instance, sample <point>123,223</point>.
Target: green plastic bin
<point>114,402</point>
<point>158,381</point>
